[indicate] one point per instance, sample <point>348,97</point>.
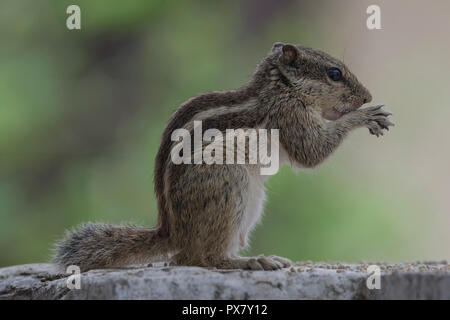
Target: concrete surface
<point>305,280</point>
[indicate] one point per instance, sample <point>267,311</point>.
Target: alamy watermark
<point>374,280</point>
<point>220,149</point>
<point>73,21</point>
<point>74,280</point>
<point>373,22</point>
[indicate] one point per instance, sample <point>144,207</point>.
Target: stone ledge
<point>302,281</point>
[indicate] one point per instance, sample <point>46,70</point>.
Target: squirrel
<point>206,212</point>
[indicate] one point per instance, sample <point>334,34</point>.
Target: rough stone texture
<point>302,281</point>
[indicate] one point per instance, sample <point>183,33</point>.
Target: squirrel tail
<point>96,246</point>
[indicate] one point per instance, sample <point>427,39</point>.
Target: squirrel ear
<point>289,54</point>
<point>277,45</point>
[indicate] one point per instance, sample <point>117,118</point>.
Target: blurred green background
<point>82,113</point>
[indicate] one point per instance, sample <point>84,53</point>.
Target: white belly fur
<point>255,203</point>
<point>253,210</point>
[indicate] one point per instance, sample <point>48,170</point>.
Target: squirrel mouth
<point>338,111</point>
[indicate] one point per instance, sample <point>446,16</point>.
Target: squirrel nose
<point>367,97</point>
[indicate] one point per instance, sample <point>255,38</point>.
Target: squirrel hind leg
<point>207,213</point>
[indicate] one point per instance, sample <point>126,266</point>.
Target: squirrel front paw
<point>375,119</point>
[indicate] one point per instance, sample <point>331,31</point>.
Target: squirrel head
<point>317,79</point>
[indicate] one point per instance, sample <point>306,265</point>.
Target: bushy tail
<point>96,246</point>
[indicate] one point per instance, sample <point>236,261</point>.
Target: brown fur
<point>203,209</point>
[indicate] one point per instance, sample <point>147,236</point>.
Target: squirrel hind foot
<point>254,263</point>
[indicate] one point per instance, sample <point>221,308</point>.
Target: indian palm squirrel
<point>206,211</point>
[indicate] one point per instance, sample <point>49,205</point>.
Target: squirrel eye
<point>335,74</point>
